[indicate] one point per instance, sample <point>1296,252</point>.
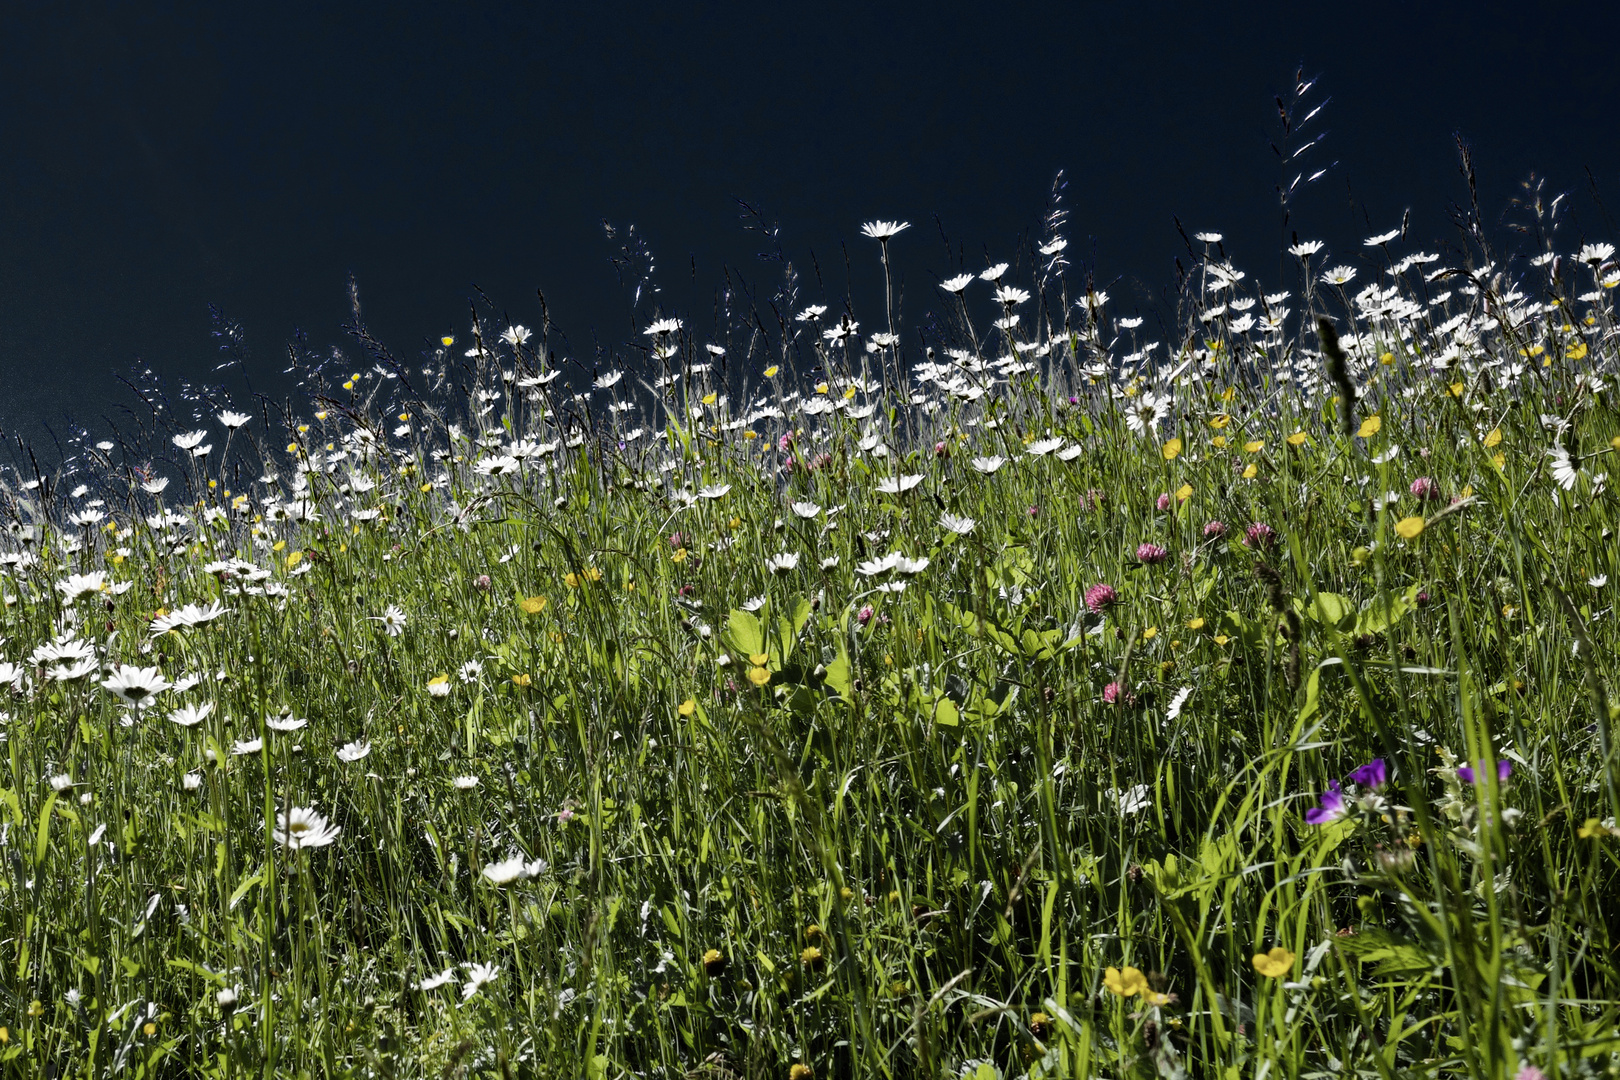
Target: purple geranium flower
<point>1332,808</point>
<point>1468,774</point>
<point>1371,775</point>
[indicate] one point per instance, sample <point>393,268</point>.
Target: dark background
<point>159,157</point>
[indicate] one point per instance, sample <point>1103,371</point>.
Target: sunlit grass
<point>1047,703</point>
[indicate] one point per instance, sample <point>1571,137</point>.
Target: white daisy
<point>783,562</point>
<point>192,715</point>
<point>353,751</point>
<point>136,685</point>
<point>479,975</point>
<point>304,828</point>
<point>895,485</point>
<point>393,620</point>
<point>883,230</point>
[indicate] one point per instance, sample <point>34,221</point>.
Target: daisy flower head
<point>301,827</point>
<point>392,619</point>
<point>233,420</point>
<point>136,685</point>
<point>884,230</point>
<point>465,783</point>
<point>192,715</point>
<point>895,485</point>
<point>353,751</point>
<point>958,284</point>
<point>479,975</point>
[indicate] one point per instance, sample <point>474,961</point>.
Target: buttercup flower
<point>1275,963</point>
<point>1127,983</point>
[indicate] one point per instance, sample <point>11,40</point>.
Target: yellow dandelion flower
<point>1387,359</point>
<point>1499,460</point>
<point>1219,441</point>
<point>1370,427</point>
<point>770,372</point>
<point>532,605</point>
<point>294,558</point>
<point>821,388</point>
<point>1184,492</point>
<point>1220,420</point>
<point>1253,446</point>
<point>678,555</point>
<point>759,676</point>
<point>522,680</point>
<point>1221,639</point>
<point>1408,527</point>
<point>1492,438</point>
<point>1172,450</point>
<point>710,398</point>
<point>279,545</point>
<point>687,707</point>
<point>447,341</point>
<point>1251,472</point>
<point>1456,389</point>
<point>759,659</point>
<point>1195,623</point>
<point>1150,633</point>
<point>1274,964</point>
<point>1297,438</point>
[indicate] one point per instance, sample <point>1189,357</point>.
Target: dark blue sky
<point>156,157</point>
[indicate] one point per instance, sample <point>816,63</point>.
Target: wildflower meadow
<point>978,683</point>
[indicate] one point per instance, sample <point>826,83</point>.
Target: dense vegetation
<point>1050,702</point>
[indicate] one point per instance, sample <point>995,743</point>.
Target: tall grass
<point>757,712</point>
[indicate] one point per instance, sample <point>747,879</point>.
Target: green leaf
<point>1382,613</point>
<point>43,841</point>
<point>743,634</point>
<point>1328,609</point>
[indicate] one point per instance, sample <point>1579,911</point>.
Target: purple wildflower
<point>1469,774</point>
<point>1150,554</point>
<point>864,616</point>
<point>1164,502</point>
<point>1215,530</point>
<point>1332,808</point>
<point>1113,694</point>
<point>1100,598</point>
<point>1371,775</point>
<point>1425,488</point>
<point>1259,535</point>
